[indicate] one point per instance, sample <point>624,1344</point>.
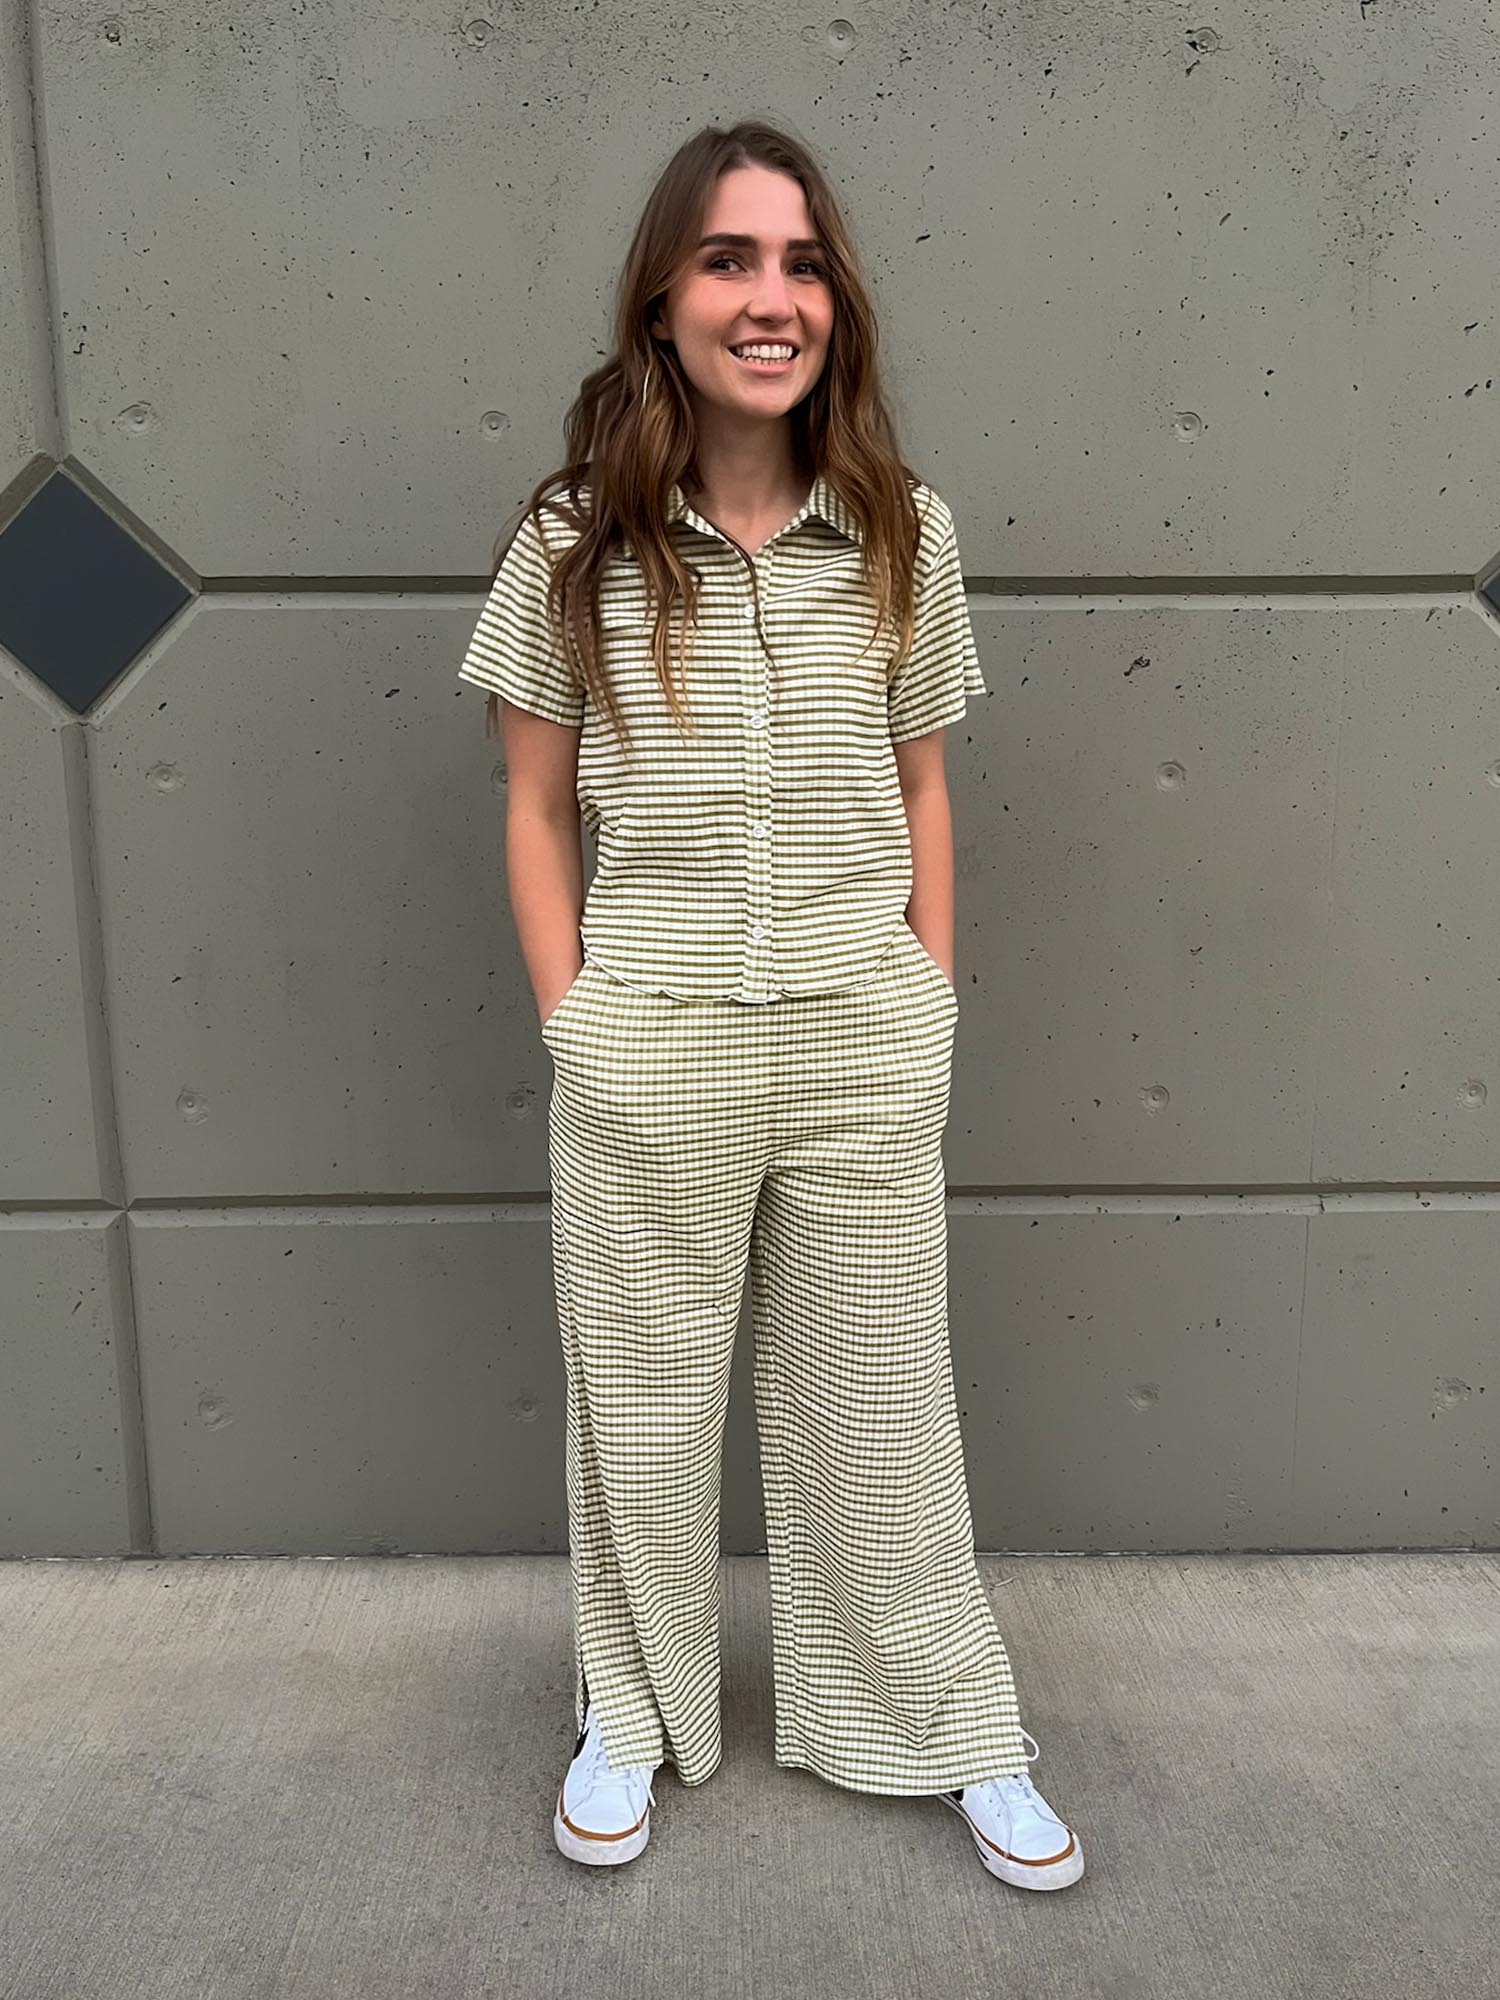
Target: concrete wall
<point>1192,317</point>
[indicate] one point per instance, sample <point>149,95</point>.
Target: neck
<point>751,471</point>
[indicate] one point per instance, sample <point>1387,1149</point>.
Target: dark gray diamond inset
<point>79,597</point>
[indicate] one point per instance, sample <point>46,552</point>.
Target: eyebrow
<point>736,242</point>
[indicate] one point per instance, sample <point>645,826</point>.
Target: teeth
<point>764,353</point>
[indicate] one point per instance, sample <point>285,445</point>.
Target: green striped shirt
<point>769,853</point>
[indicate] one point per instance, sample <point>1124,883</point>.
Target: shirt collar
<point>824,500</point>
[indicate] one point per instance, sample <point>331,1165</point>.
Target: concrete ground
<point>251,1778</point>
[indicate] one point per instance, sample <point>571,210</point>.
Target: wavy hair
<point>630,431</point>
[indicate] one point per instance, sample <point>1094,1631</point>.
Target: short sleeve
<point>931,688</point>
<point>513,651</point>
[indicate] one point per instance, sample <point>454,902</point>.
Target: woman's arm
<point>544,850</point>
<point>924,792</point>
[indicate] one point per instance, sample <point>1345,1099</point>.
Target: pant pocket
<point>926,959</point>
<point>566,1001</point>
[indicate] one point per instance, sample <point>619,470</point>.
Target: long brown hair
<point>630,431</point>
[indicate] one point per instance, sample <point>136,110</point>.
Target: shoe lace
<point>1020,1781</point>
<point>600,1772</point>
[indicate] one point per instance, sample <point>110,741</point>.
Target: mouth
<point>766,367</point>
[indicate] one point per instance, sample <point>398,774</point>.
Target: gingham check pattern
<point>802,1141</point>
<point>768,853</point>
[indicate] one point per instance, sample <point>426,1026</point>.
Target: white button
<point>749,610</point>
<point>757,930</point>
<point>757,720</point>
<point>759,829</point>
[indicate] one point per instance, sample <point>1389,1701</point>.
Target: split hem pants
<point>802,1138</point>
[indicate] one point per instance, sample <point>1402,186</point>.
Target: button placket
<point>759,751</point>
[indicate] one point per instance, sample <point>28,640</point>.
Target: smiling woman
<point>740,244</point>
<point>750,1013</point>
<point>757,291</point>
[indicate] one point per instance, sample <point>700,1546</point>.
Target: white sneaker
<point>1017,1834</point>
<point>603,1816</point>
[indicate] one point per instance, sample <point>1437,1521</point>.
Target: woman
<point>751,1018</point>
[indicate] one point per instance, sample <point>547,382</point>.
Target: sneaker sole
<point>598,1850</point>
<point>1021,1874</point>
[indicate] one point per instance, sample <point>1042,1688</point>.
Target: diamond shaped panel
<point>79,597</point>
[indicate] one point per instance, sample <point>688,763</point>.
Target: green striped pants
<point>805,1138</point>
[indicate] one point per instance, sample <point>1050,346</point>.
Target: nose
<point>770,299</point>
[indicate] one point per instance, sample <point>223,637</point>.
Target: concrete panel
<point>1223,899</point>
<point>1182,272</point>
<point>71,1479</point>
<point>1409,1024</point>
<point>1143,815</point>
<point>385,1382</point>
<point>27,416</point>
<point>314,973</point>
<point>309,984</point>
<point>1161,1382</point>
<point>1128,1382</point>
<point>372,1382</point>
<point>54,1145</point>
<point>1398,1435</point>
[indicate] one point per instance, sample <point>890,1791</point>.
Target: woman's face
<point>772,289</point>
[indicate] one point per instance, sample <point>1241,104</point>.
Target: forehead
<point>759,202</point>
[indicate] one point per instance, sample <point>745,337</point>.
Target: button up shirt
<point>769,853</point>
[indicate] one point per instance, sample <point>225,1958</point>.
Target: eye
<point>727,257</point>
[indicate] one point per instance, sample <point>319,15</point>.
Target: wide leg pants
<point>802,1138</point>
